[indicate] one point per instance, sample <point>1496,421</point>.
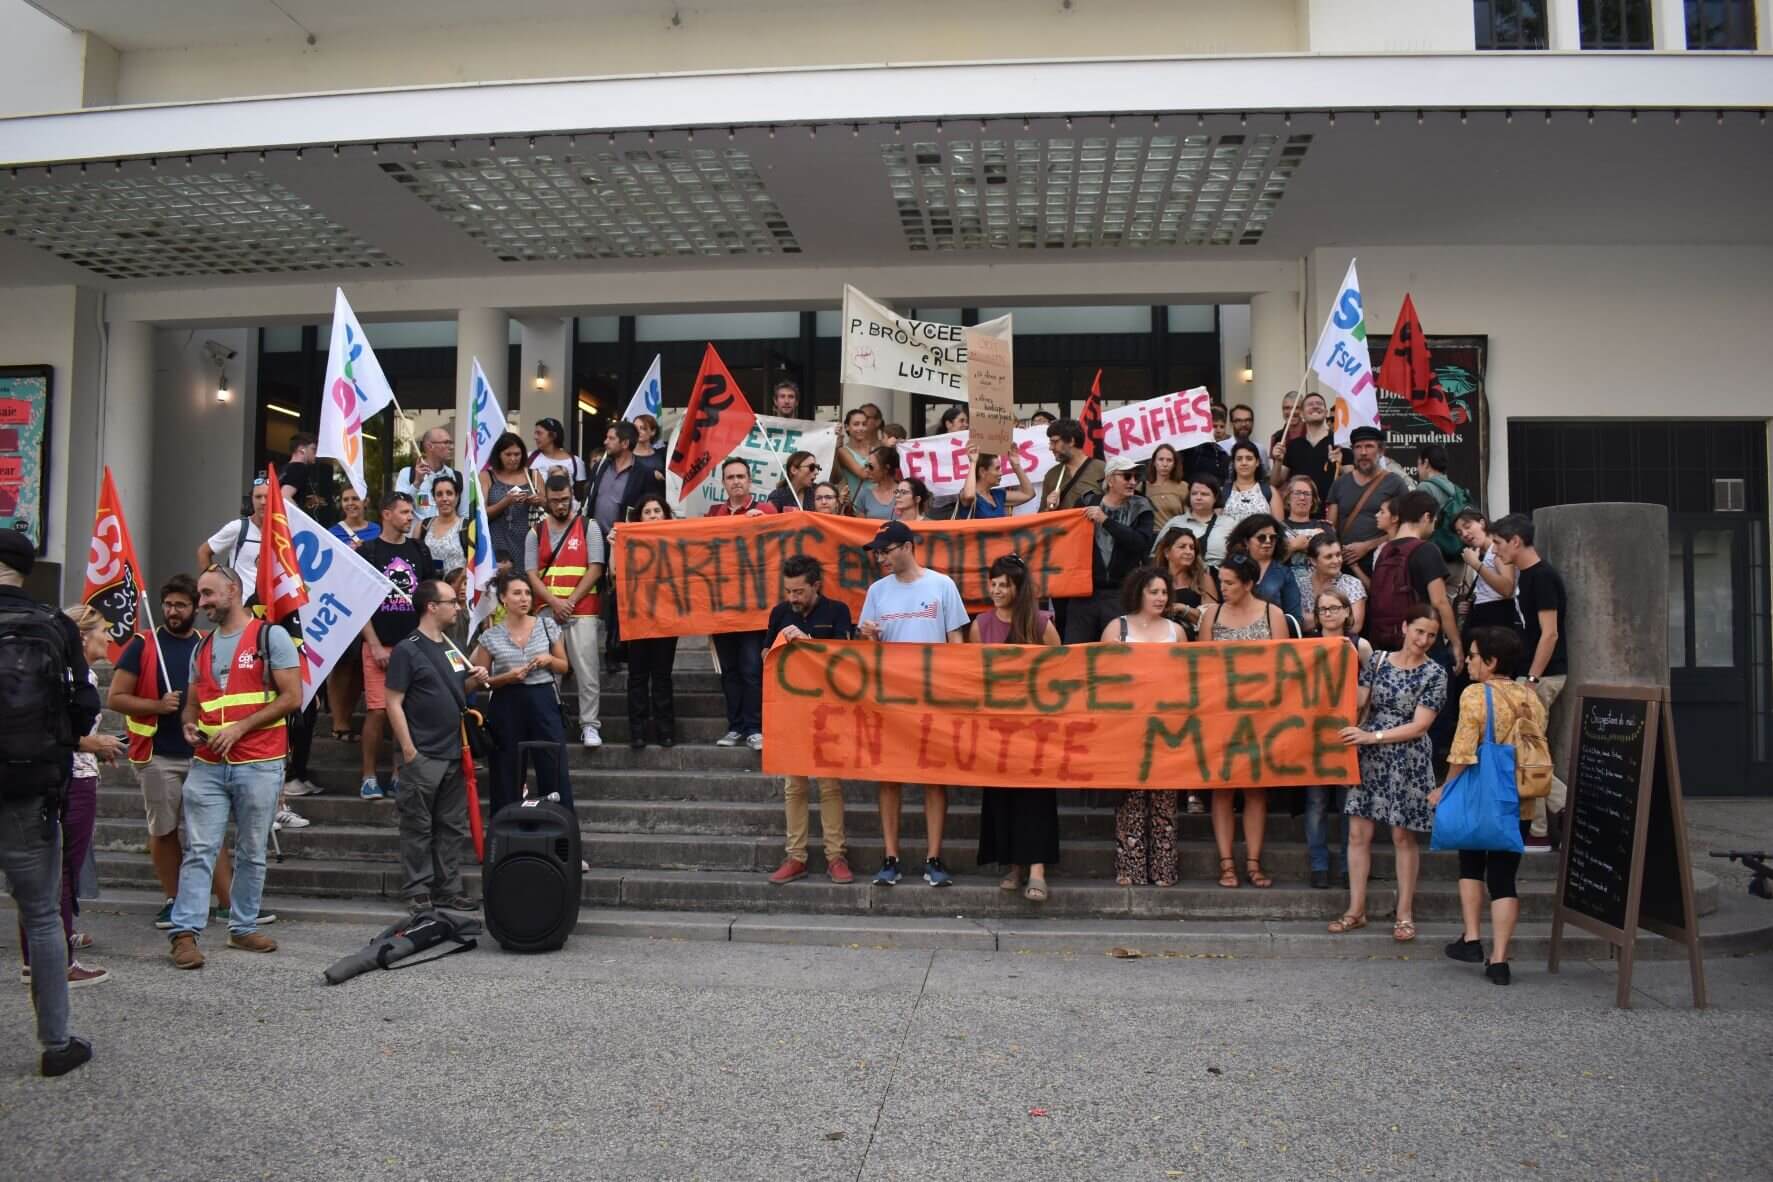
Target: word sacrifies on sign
<point>697,577</point>
<point>1625,863</point>
<point>1135,431</point>
<point>1218,715</point>
<point>883,348</point>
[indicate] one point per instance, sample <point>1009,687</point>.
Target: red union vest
<point>250,687</point>
<point>143,727</point>
<point>561,576</point>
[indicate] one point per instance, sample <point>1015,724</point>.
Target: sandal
<point>1348,923</point>
<point>1228,873</point>
<point>1011,881</point>
<point>1036,891</point>
<point>344,736</point>
<point>1403,930</point>
<point>1253,867</point>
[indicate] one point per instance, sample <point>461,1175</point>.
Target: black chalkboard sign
<point>1625,863</point>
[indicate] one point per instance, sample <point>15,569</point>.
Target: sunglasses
<point>1265,539</point>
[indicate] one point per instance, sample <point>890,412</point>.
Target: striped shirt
<point>508,658</point>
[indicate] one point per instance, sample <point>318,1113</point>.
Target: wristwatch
<point>1531,680</point>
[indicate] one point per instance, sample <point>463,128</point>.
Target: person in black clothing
<point>1539,589</point>
<point>1209,459</point>
<point>298,478</point>
<point>407,563</point>
<point>651,699</point>
<point>806,614</point>
<point>1313,452</point>
<point>40,764</point>
<point>1126,525</point>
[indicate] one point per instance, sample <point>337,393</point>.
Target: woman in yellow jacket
<point>1495,654</point>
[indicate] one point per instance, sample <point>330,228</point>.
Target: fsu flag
<point>717,421</point>
<point>113,576</point>
<point>1407,370</point>
<point>280,588</point>
<point>1091,419</point>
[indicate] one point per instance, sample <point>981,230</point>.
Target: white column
<point>546,341</point>
<point>128,428</point>
<point>1668,25</point>
<point>1764,26</point>
<point>1563,26</point>
<point>484,333</point>
<point>1277,354</point>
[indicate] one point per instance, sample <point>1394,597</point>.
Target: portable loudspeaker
<point>532,876</point>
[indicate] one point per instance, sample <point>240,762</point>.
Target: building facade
<point>1573,192</point>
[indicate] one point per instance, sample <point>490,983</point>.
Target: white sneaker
<point>301,788</point>
<point>590,738</point>
<point>288,818</point>
<point>755,742</point>
<point>730,739</point>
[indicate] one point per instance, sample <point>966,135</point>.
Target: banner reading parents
<point>1217,715</point>
<point>883,348</point>
<point>698,577</point>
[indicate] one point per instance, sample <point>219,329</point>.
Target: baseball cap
<point>893,533</point>
<point>18,552</point>
<point>1122,464</point>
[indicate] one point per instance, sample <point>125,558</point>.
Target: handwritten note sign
<point>1224,715</point>
<point>991,402</point>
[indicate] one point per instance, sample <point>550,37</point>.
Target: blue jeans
<point>1321,800</point>
<point>741,679</point>
<point>31,859</point>
<point>213,791</point>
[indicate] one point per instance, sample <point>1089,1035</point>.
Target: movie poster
<point>1459,365</point>
<point>24,450</point>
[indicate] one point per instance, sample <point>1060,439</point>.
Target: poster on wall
<point>24,450</point>
<point>1459,366</point>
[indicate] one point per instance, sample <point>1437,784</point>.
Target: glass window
<point>282,338</point>
<point>1720,24</point>
<point>412,334</point>
<point>600,329</point>
<point>1615,24</point>
<point>1714,598</point>
<point>828,323</point>
<point>718,326</point>
<point>1191,318</point>
<point>1509,24</point>
<point>1677,602</point>
<point>1124,318</point>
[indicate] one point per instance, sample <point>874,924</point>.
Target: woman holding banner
<point>875,497</point>
<point>1018,827</point>
<point>1145,822</point>
<point>795,489</point>
<point>985,472</point>
<point>1241,615</point>
<point>1333,612</point>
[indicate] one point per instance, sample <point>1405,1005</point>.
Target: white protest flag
<point>648,396</point>
<point>343,592</point>
<point>485,426</point>
<point>766,450</point>
<point>883,348</point>
<point>1343,363</point>
<point>355,390</point>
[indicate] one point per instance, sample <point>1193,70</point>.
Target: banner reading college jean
<point>1217,715</point>
<point>697,577</point>
<point>883,348</point>
<point>343,592</point>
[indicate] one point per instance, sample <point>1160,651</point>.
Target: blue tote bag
<point>1481,808</point>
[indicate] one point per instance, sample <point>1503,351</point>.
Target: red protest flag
<point>1407,370</point>
<point>716,422</point>
<point>1091,419</point>
<point>113,576</point>
<point>281,591</point>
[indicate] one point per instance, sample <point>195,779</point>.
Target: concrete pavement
<point>638,1059</point>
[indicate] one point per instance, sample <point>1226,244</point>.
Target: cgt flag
<point>355,390</point>
<point>717,420</point>
<point>281,591</point>
<point>113,576</point>
<point>1091,420</point>
<point>1407,370</point>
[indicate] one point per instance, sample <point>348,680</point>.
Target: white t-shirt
<point>246,563</point>
<point>573,466</point>
<point>424,506</point>
<point>1486,593</point>
<point>923,611</point>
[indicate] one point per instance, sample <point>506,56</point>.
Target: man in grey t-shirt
<point>1353,504</point>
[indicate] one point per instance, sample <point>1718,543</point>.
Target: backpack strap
<point>1123,629</point>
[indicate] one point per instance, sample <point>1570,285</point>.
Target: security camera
<point>218,353</point>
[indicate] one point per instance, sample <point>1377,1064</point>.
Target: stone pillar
<point>1613,560</point>
<point>1668,25</point>
<point>1563,21</point>
<point>1277,355</point>
<point>547,340</point>
<point>484,333</point>
<point>129,428</point>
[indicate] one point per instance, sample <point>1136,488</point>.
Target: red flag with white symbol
<point>113,576</point>
<point>281,591</point>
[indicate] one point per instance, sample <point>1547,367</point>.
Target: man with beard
<point>565,561</point>
<point>1312,452</point>
<point>406,562</point>
<point>243,684</point>
<point>785,400</point>
<point>1352,505</point>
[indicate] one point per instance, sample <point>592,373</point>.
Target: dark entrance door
<point>1712,476</point>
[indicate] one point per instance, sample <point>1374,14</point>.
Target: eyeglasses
<point>1265,539</point>
<point>451,602</point>
<point>901,492</point>
<point>1327,608</point>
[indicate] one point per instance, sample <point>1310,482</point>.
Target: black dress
<point>1017,826</point>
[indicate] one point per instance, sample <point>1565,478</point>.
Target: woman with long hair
<point>526,654</point>
<point>552,456</point>
<point>443,535</point>
<point>1018,827</point>
<point>1325,573</point>
<point>506,491</point>
<point>652,702</point>
<point>795,489</point>
<point>1164,486</point>
<point>1249,493</point>
<point>1258,535</point>
<point>852,452</point>
<point>980,496</point>
<point>1145,823</point>
<point>879,491</point>
<point>1193,586</point>
<point>911,500</point>
<point>1241,615</point>
<point>1333,613</point>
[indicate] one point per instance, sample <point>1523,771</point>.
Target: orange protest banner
<point>1259,714</point>
<point>698,576</point>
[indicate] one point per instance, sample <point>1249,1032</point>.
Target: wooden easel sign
<point>1625,864</point>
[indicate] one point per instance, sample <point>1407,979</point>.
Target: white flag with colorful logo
<point>649,396</point>
<point>355,390</point>
<point>486,425</point>
<point>1343,363</point>
<point>343,592</point>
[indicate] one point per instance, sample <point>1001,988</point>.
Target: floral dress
<point>1396,778</point>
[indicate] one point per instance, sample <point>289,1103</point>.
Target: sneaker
<point>730,739</point>
<point>888,874</point>
<point>163,917</point>
<point>1497,972</point>
<point>370,789</point>
<point>459,903</point>
<point>61,1062</point>
<point>1466,951</point>
<point>185,953</point>
<point>1196,806</point>
<point>393,787</point>
<point>937,874</point>
<point>79,940</point>
<point>220,915</point>
<point>791,870</point>
<point>1537,845</point>
<point>755,742</point>
<point>251,942</point>
<point>82,974</point>
<point>588,737</point>
<point>667,739</point>
<point>288,818</point>
<point>838,871</point>
<point>24,975</point>
<point>301,788</point>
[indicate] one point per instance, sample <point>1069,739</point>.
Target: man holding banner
<point>1126,529</point>
<point>740,653</point>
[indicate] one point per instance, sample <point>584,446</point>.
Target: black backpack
<point>36,690</point>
